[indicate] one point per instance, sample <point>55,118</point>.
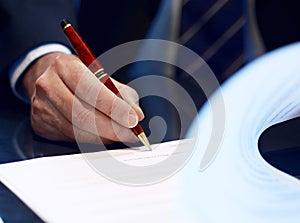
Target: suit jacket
<point>27,24</point>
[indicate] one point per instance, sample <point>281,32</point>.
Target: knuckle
<point>130,91</point>
<point>62,60</point>
<point>59,61</point>
<point>90,90</point>
<point>83,118</point>
<point>105,104</point>
<point>134,93</point>
<point>42,84</point>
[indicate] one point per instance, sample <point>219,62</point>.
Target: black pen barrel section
<point>64,23</point>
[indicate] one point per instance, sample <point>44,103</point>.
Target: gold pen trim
<point>143,138</point>
<point>66,26</point>
<point>100,73</point>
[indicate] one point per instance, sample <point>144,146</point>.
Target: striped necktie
<point>198,21</point>
<point>214,30</point>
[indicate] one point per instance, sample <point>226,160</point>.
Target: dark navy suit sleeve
<point>25,24</point>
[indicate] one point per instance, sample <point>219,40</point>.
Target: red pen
<point>90,60</point>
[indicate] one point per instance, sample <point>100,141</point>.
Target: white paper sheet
<point>69,189</point>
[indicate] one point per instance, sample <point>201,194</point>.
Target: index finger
<point>82,82</point>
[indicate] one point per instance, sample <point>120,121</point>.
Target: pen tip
<point>144,140</point>
<point>64,23</point>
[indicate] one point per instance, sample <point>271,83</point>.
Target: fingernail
<point>133,120</point>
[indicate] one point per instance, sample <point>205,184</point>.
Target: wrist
<point>35,70</point>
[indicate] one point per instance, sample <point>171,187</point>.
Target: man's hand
<point>68,100</point>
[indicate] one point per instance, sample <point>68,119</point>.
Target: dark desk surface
<point>280,146</point>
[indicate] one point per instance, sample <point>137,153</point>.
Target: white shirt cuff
<point>20,66</point>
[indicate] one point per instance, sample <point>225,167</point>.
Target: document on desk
<point>68,189</point>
